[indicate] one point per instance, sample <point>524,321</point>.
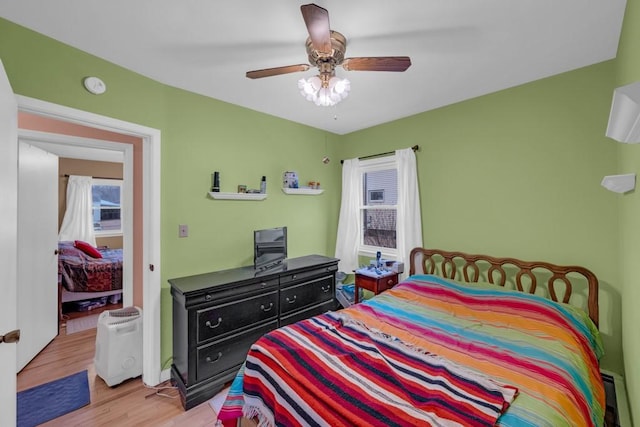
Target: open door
<point>37,250</point>
<point>8,245</point>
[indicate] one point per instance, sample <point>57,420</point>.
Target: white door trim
<point>151,370</point>
<point>101,150</point>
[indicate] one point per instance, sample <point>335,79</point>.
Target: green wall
<point>628,71</point>
<point>199,136</point>
<point>514,173</point>
<point>517,173</point>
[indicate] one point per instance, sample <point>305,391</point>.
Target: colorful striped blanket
<point>429,352</point>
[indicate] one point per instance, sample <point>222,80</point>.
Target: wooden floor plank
<point>130,403</point>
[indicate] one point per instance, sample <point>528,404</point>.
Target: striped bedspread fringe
<point>386,382</point>
<point>258,412</point>
<point>509,392</point>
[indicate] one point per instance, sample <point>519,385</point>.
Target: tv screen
<point>269,247</point>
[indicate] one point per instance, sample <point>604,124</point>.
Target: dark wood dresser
<point>217,316</point>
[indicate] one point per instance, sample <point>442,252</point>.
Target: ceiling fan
<point>326,49</point>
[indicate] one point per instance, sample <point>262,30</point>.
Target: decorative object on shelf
<point>314,185</point>
<point>94,85</point>
<point>290,180</point>
<point>303,191</point>
<point>624,119</point>
<point>263,185</point>
<point>215,186</point>
<point>237,196</point>
<point>242,188</point>
<point>619,183</point>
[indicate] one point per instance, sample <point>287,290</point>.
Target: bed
<point>82,276</point>
<point>464,340</point>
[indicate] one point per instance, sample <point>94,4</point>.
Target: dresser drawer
<point>221,355</point>
<point>307,313</point>
<point>294,277</point>
<point>231,292</point>
<point>305,294</point>
<point>220,320</point>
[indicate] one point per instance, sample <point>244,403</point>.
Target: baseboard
<point>624,416</point>
<point>165,375</point>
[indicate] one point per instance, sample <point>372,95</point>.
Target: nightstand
<point>374,284</point>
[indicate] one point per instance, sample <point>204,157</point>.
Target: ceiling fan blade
<point>317,20</point>
<point>268,72</point>
<point>380,63</point>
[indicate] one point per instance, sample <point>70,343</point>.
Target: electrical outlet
<point>183,230</point>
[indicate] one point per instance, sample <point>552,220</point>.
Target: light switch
<point>183,230</point>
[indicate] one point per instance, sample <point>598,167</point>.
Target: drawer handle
<point>208,323</point>
<point>295,277</point>
<point>327,289</point>
<point>291,301</point>
<point>210,360</point>
<point>208,297</point>
<point>390,282</point>
<point>263,308</point>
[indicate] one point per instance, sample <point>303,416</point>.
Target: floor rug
<point>216,403</point>
<point>217,400</point>
<point>82,324</point>
<point>45,402</point>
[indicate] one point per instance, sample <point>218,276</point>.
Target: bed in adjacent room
<point>437,350</point>
<point>86,273</point>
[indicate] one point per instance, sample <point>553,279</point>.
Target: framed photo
<point>376,196</point>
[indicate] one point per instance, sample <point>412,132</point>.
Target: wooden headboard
<point>470,268</point>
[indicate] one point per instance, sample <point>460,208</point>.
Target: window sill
<point>372,253</point>
<point>116,234</point>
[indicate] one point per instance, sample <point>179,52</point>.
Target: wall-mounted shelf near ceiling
<point>303,191</point>
<point>624,118</point>
<point>619,183</point>
<point>237,196</point>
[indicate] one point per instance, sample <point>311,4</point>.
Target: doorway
<point>81,310</point>
<point>148,291</point>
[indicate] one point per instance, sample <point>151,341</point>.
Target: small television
<point>269,247</point>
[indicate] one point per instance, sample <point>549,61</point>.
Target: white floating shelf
<point>237,196</point>
<point>619,183</point>
<point>305,191</point>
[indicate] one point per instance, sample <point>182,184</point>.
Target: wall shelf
<point>237,196</point>
<point>303,191</point>
<point>619,183</point>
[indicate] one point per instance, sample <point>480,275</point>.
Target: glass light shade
<point>336,90</point>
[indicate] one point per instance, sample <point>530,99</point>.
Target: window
<point>379,198</point>
<point>379,210</point>
<point>376,196</point>
<point>106,195</point>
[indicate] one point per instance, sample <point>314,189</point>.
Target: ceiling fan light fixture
<point>324,95</point>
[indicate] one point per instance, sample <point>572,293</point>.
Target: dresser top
<point>198,282</point>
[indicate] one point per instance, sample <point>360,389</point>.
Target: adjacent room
<point>242,162</point>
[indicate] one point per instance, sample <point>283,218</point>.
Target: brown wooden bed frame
<point>470,268</point>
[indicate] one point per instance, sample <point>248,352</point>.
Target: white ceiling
<point>459,49</point>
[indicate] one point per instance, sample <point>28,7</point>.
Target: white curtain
<point>78,218</point>
<point>409,220</point>
<point>349,222</point>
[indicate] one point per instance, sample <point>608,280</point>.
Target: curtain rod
<point>370,156</point>
<point>66,175</point>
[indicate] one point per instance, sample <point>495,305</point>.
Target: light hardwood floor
<point>127,404</point>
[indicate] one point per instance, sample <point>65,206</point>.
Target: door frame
<point>99,150</point>
<point>151,147</point>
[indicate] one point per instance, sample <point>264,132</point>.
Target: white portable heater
<point>119,345</point>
